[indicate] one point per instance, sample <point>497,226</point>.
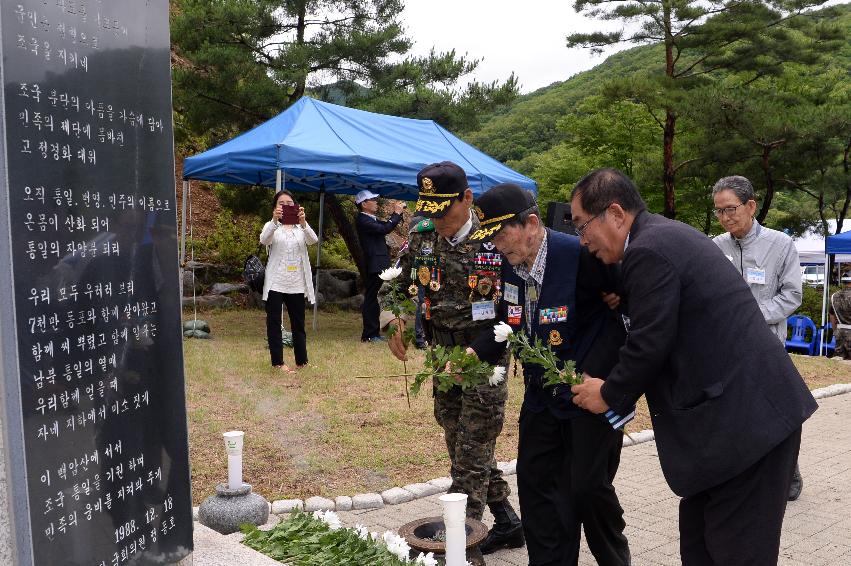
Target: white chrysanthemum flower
<point>498,375</point>
<point>397,545</point>
<point>362,531</point>
<point>501,332</point>
<point>426,559</point>
<point>390,273</point>
<point>329,518</point>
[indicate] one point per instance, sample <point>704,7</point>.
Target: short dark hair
<point>600,188</point>
<point>741,187</point>
<point>278,195</point>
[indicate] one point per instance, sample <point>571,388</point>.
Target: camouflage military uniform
<point>472,419</point>
<point>840,302</point>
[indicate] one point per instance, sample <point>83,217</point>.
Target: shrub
<point>233,239</point>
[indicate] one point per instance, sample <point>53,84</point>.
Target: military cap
<point>439,184</point>
<point>497,206</point>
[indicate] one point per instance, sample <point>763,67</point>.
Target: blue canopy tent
<point>318,147</point>
<point>833,245</point>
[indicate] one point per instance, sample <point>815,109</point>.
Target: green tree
<point>702,38</point>
<point>241,62</point>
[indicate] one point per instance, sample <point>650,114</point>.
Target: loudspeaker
<point>558,217</point>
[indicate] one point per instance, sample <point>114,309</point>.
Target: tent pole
<point>278,180</point>
<point>183,222</point>
<point>319,250</point>
<point>824,303</point>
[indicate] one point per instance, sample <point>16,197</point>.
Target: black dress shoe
<point>797,484</point>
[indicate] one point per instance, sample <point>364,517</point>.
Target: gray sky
<point>525,36</point>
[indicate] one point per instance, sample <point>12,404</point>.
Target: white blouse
<point>288,267</point>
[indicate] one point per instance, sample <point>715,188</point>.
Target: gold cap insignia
<point>555,338</point>
<point>479,213</point>
<point>428,186</point>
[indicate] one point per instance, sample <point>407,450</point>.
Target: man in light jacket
<point>767,260</point>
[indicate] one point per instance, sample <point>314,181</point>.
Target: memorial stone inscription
<point>94,406</point>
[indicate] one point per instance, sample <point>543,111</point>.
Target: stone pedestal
<point>226,511</point>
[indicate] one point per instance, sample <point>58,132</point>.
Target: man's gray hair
<point>741,187</point>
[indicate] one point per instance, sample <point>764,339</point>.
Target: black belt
<point>450,338</point>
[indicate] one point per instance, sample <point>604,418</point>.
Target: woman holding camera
<point>288,276</point>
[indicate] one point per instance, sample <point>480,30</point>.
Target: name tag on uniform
<point>483,310</point>
<point>511,293</point>
<point>515,312</point>
<point>754,275</point>
<point>292,266</point>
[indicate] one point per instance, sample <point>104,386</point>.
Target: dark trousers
<point>295,309</point>
<point>738,522</point>
<point>565,469</point>
<point>370,310</point>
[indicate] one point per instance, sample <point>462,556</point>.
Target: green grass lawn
<point>324,430</point>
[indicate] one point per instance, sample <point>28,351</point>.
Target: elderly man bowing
<point>726,401</point>
<point>567,458</point>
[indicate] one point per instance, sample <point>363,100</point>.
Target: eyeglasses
<point>729,210</point>
<point>580,231</point>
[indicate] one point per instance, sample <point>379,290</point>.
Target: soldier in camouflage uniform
<point>840,304</point>
<point>461,284</point>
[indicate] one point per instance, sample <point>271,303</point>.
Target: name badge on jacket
<point>755,275</point>
<point>511,293</point>
<point>483,310</point>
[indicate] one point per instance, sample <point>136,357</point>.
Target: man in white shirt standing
<point>766,258</point>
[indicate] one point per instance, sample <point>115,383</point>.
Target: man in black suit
<point>726,401</point>
<point>371,232</point>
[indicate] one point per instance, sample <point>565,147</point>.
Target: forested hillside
<point>789,131</point>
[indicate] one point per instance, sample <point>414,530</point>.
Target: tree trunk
<point>769,183</point>
<point>668,164</point>
<point>347,231</point>
<point>668,132</point>
<point>846,168</point>
<point>301,26</point>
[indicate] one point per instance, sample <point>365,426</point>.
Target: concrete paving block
<point>508,468</point>
<point>422,489</point>
<point>442,483</point>
<point>642,436</point>
<point>317,503</point>
<point>396,495</point>
<point>342,503</point>
<point>286,505</point>
<point>367,501</point>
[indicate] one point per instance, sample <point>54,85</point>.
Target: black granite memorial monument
<point>93,406</point>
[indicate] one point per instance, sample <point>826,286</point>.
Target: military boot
<point>507,531</point>
<point>797,484</point>
<point>474,557</point>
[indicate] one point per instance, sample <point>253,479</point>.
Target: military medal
<point>555,338</point>
<point>485,286</point>
<point>427,308</point>
<point>434,285</point>
<point>413,290</point>
<point>424,275</point>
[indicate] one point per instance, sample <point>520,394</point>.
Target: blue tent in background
<point>319,147</point>
<point>833,245</point>
<point>838,244</point>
